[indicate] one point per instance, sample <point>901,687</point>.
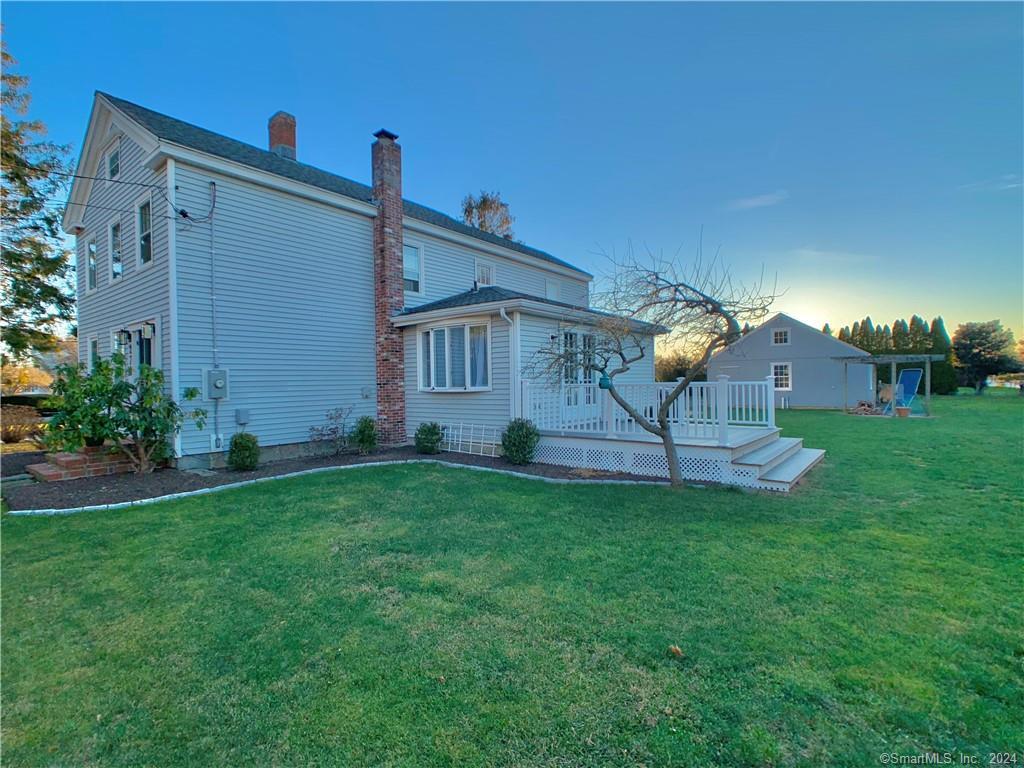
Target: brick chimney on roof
<point>282,134</point>
<point>389,297</point>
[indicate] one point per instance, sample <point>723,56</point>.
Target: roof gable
<point>193,137</point>
<point>781,319</point>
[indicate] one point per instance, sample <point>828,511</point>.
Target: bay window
<point>455,358</point>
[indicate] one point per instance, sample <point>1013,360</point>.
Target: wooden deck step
<point>770,455</point>
<point>796,466</point>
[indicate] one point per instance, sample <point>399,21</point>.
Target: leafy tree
<point>982,350</point>
<point>489,213</point>
<point>36,270</point>
<point>674,365</point>
<point>826,329</point>
<point>24,378</point>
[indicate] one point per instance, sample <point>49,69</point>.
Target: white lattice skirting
<point>476,439</point>
<point>709,464</point>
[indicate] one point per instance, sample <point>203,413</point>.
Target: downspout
<point>513,362</point>
<point>213,314</point>
<point>172,288</point>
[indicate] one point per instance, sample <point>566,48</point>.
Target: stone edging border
<point>317,470</point>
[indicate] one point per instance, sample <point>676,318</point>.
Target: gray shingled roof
<point>193,137</point>
<point>493,293</point>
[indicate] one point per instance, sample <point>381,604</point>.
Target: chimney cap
<point>282,114</point>
<point>383,133</point>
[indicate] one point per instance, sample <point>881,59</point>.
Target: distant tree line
<point>902,337</point>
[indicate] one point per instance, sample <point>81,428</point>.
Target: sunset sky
<point>868,157</point>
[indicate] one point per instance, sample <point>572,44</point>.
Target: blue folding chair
<point>906,389</point>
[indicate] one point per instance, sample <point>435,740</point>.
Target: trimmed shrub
<point>19,422</point>
<point>365,434</point>
<point>335,432</point>
<point>244,452</point>
<point>428,437</point>
<point>519,441</point>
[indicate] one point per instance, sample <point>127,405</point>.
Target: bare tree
<point>699,308</point>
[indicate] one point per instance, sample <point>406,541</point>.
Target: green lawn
<point>426,616</point>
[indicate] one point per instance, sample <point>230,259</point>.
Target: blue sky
<point>868,156</point>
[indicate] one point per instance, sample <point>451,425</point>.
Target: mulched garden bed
<point>89,491</point>
<point>14,463</point>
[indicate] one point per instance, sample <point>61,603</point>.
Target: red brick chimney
<point>386,161</point>
<point>282,134</point>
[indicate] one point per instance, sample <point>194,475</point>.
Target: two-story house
<point>282,291</point>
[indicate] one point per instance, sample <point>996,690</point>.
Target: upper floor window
<point>90,250</point>
<point>780,336</point>
<point>145,223</point>
<point>484,274</point>
<point>412,269</point>
<point>116,260</point>
<point>114,162</point>
<point>551,290</point>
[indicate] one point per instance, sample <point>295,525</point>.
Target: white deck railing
<point>697,412</point>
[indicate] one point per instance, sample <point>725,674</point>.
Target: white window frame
<point>110,245</point>
<point>464,323</point>
<point>139,263</point>
<point>789,370</point>
<point>95,268</point>
<point>90,363</point>
<point>112,148</point>
<point>789,336</point>
<point>422,288</point>
<point>477,264</point>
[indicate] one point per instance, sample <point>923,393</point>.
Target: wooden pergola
<point>892,361</point>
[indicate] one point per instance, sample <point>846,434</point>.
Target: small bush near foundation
<point>519,441</point>
<point>335,432</point>
<point>365,434</point>
<point>428,437</point>
<point>244,452</point>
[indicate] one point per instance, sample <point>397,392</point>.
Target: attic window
<point>114,163</point>
<point>484,274</point>
<point>780,336</point>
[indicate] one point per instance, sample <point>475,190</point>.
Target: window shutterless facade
<point>412,268</point>
<point>93,352</point>
<point>116,258</point>
<point>484,274</point>
<point>114,162</point>
<point>455,358</point>
<point>780,337</point>
<point>783,375</point>
<point>91,269</point>
<point>144,223</point>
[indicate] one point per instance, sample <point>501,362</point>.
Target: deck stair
<point>775,464</point>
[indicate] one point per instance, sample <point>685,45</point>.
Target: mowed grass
<point>423,616</point>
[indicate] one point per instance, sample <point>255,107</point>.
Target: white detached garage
<point>806,365</point>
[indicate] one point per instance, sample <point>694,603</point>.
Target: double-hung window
<point>455,358</point>
<point>484,274</point>
<point>116,259</point>
<point>94,352</point>
<point>114,162</point>
<point>412,269</point>
<point>90,255</point>
<point>783,375</point>
<point>145,233</point>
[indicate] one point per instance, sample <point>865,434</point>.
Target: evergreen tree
<point>900,336</point>
<point>918,338</point>
<point>855,334</point>
<point>35,281</point>
<point>746,329</point>
<point>826,329</point>
<point>944,378</point>
<point>844,334</point>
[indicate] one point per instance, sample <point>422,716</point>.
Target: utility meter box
<point>216,380</point>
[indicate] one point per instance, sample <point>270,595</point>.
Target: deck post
<point>846,378</point>
<point>892,390</point>
<point>722,398</point>
<point>928,386</point>
<point>609,410</point>
<point>769,402</point>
